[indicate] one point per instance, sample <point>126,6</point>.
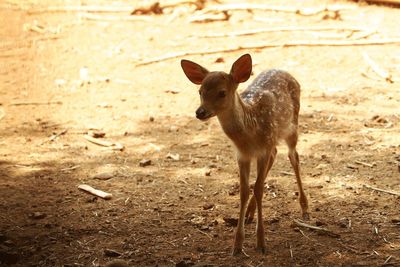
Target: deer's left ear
<point>241,69</point>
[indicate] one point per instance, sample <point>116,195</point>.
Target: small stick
<point>98,9</point>
<point>104,143</point>
<point>263,46</point>
<point>323,230</point>
<point>364,163</point>
<point>287,173</point>
<point>36,103</point>
<point>390,2</point>
<point>90,16</point>
<point>381,72</point>
<point>70,168</point>
<point>224,16</point>
<point>102,9</point>
<point>387,260</point>
<point>280,29</point>
<point>95,192</point>
<point>298,11</point>
<point>382,190</point>
<point>206,234</point>
<point>54,136</point>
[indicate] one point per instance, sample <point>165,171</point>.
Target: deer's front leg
<point>244,170</point>
<point>263,167</point>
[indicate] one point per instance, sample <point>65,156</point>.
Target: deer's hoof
<point>261,250</point>
<point>306,216</point>
<point>239,252</point>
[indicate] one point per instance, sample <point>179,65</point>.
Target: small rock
<point>220,60</point>
<point>273,220</point>
<point>197,220</point>
<point>351,166</point>
<point>103,176</point>
<point>207,172</point>
<point>175,157</point>
<point>151,118</point>
<point>234,189</point>
<point>145,162</point>
<point>96,134</point>
<point>208,206</point>
<point>111,253</point>
<point>173,128</point>
<point>396,220</point>
<point>38,215</point>
<point>117,263</point>
<point>230,221</point>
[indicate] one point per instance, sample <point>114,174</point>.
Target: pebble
<point>103,176</point>
<point>111,253</point>
<point>38,215</point>
<point>208,206</point>
<point>145,162</point>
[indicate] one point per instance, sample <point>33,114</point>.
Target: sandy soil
<point>62,75</point>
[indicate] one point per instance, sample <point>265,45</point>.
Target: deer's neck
<point>237,119</point>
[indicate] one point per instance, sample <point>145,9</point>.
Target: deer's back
<point>273,99</point>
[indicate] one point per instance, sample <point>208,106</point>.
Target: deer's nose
<point>200,113</point>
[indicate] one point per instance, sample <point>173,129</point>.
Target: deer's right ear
<point>193,71</point>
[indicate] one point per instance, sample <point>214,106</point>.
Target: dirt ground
<point>66,73</point>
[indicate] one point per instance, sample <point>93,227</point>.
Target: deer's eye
<point>221,94</point>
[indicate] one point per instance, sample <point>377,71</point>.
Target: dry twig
<point>320,229</point>
<point>378,70</point>
<point>281,29</point>
<point>90,16</point>
<point>364,163</point>
<point>206,234</point>
<point>36,103</point>
<point>116,146</point>
<point>95,192</point>
<point>262,46</point>
<point>204,18</point>
<point>154,8</point>
<point>382,190</point>
<point>286,9</point>
<point>386,2</point>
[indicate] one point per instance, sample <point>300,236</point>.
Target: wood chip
<point>103,176</point>
<point>145,162</point>
<point>111,253</point>
<point>38,215</point>
<point>316,228</point>
<point>96,192</point>
<point>105,143</point>
<point>208,206</point>
<point>175,157</point>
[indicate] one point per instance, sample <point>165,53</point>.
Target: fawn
<point>255,121</point>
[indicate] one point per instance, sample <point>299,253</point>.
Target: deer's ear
<point>193,71</point>
<point>241,69</point>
